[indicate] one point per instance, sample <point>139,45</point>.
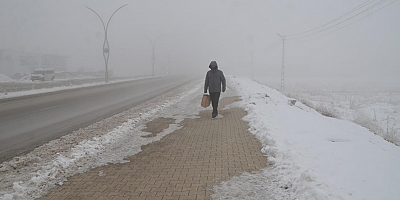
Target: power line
<point>365,3</point>
<point>358,19</point>
<point>351,11</point>
<point>330,27</point>
<point>350,23</point>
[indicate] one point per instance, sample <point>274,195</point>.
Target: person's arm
<point>206,84</point>
<point>223,82</point>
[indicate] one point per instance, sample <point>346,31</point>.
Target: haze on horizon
<point>193,33</point>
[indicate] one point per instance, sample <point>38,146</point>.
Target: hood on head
<point>213,65</point>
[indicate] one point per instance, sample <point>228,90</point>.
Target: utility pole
<point>106,46</point>
<point>169,65</point>
<point>252,65</point>
<point>283,63</point>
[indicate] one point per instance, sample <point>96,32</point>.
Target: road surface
<point>30,122</point>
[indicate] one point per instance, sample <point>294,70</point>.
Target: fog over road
<point>30,122</point>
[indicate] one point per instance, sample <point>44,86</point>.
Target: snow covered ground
<point>379,111</point>
<point>4,79</point>
<point>372,104</point>
<point>107,141</point>
<point>310,156</point>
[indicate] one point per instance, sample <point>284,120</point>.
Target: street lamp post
<point>153,55</point>
<point>106,46</point>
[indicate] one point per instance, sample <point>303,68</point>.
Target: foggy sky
<point>196,32</point>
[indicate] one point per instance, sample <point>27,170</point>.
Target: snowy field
<point>379,111</point>
<point>374,105</point>
<point>310,156</point>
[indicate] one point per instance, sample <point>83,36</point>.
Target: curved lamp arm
<point>157,39</point>
<point>148,39</point>
<point>104,26</point>
<point>114,14</point>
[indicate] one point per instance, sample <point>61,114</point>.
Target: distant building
<point>14,63</point>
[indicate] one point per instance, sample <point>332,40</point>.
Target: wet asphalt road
<point>30,122</point>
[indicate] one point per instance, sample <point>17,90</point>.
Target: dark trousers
<point>214,96</point>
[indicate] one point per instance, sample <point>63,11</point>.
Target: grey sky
<point>196,32</point>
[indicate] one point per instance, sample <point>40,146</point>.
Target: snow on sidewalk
<point>311,156</point>
<point>32,175</point>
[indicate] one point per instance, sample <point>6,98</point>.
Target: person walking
<point>214,79</point>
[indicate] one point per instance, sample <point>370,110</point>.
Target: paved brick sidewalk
<point>183,165</point>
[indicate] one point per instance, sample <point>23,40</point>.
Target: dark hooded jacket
<point>214,79</point>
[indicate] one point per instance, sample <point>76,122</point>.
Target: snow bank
<point>311,156</point>
<point>123,141</point>
<point>4,79</point>
<point>54,89</point>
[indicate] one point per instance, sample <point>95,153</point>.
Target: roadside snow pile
<point>5,79</point>
<point>57,88</point>
<point>311,156</point>
<point>32,179</point>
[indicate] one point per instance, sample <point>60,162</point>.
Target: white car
<point>43,74</point>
